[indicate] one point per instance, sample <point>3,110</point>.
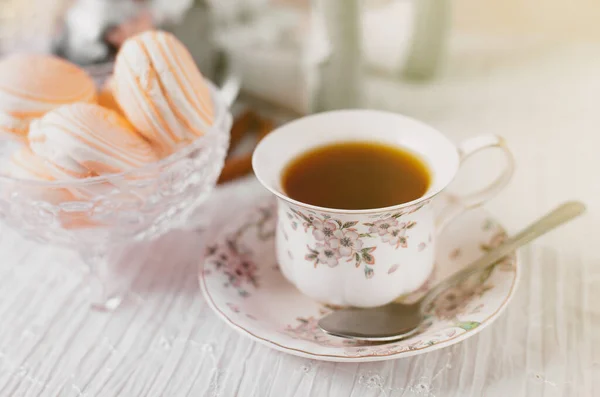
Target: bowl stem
<point>107,286</point>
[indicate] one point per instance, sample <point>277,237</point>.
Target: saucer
<point>243,284</point>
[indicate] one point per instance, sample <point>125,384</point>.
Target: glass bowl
<point>100,216</point>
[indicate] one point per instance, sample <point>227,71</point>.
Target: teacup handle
<point>459,204</point>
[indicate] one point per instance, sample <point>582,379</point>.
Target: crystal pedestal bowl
<point>100,216</point>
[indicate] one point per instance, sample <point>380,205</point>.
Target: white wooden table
<point>169,343</point>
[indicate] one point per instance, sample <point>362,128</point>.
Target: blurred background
<point>316,53</point>
<point>524,69</point>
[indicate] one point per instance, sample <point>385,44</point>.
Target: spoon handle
<point>555,218</point>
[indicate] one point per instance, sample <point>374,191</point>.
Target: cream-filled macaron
<point>106,97</point>
<point>24,164</point>
<point>161,91</point>
<point>83,140</point>
<point>32,85</point>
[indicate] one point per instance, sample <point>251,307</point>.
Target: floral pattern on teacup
<point>391,231</point>
<point>338,241</point>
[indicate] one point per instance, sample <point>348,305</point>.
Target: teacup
<point>366,258</point>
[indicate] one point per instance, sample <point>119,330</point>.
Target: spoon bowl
<point>380,324</point>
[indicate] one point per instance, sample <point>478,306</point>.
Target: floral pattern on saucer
<point>243,284</point>
<point>234,259</point>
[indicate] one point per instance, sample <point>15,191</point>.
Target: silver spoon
<point>395,321</point>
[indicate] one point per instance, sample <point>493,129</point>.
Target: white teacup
<point>365,258</point>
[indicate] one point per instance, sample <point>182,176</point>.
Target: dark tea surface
<point>356,176</point>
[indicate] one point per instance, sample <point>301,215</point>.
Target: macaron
<point>161,91</point>
<point>24,164</point>
<point>83,140</point>
<point>106,97</point>
<point>34,84</point>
